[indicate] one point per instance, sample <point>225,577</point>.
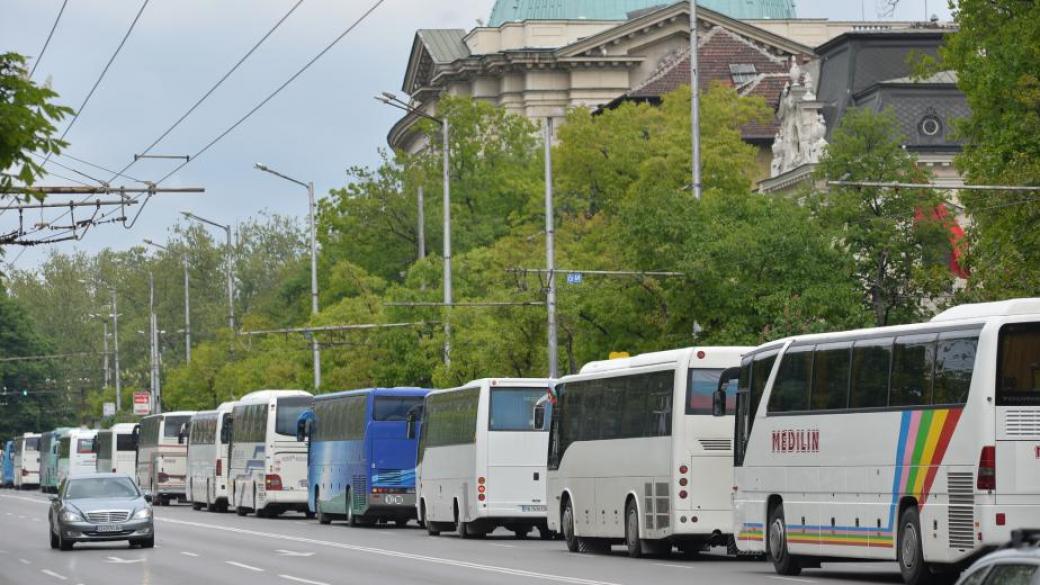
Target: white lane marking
<point>25,499</point>
<point>189,554</point>
<point>299,580</point>
<point>245,566</point>
<point>791,579</point>
<point>673,565</point>
<point>25,561</point>
<point>119,561</point>
<point>501,545</point>
<point>395,554</point>
<point>53,574</point>
<point>292,553</point>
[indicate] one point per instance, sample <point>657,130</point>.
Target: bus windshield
<point>512,409</point>
<point>396,408</point>
<point>288,412</point>
<point>173,426</point>
<point>1018,370</point>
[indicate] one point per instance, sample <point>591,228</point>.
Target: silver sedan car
<point>101,507</point>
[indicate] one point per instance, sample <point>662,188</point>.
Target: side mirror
<point>148,498</point>
<point>409,432</point>
<point>182,434</point>
<point>301,430</point>
<point>53,498</point>
<point>718,402</point>
<point>135,437</point>
<point>539,416</point>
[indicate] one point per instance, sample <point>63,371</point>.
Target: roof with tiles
<point>520,10</point>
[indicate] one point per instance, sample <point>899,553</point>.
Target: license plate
<point>534,509</point>
<point>110,528</point>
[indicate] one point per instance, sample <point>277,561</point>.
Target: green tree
<point>27,118</point>
<point>996,54</point>
<point>898,247</point>
<point>24,404</point>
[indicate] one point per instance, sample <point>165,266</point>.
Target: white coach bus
<point>115,449</point>
<point>914,443</point>
<point>636,455</point>
<point>268,467</point>
<point>161,458</point>
<point>209,438</point>
<point>27,461</point>
<point>481,461</point>
<point>76,455</point>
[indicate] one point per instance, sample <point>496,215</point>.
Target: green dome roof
<point>519,10</point>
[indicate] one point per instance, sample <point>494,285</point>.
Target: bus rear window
<point>701,388</point>
<point>173,426</point>
<point>395,408</point>
<point>85,446</point>
<point>1018,367</point>
<point>125,442</point>
<point>288,412</point>
<point>512,409</point>
<point>32,444</point>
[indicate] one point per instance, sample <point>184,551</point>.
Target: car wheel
<point>783,562</point>
<point>63,544</point>
<point>147,542</point>
<point>54,539</point>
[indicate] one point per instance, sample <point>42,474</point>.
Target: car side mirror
<point>148,498</point>
<point>53,498</point>
<point>718,402</point>
<point>539,416</point>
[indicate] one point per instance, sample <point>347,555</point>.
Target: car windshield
<point>101,487</point>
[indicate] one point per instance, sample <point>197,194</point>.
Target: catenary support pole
<point>550,251</point>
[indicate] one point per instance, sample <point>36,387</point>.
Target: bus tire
<point>632,541</point>
<point>431,526</point>
<point>909,551</point>
<point>567,526</point>
<point>783,562</point>
<point>352,519</point>
<point>462,527</point>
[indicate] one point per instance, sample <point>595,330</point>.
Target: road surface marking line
<point>395,554</point>
<point>25,499</point>
<point>189,554</point>
<point>673,565</point>
<point>501,545</point>
<point>299,580</point>
<point>53,574</point>
<point>245,566</point>
<point>791,579</point>
<point>25,561</point>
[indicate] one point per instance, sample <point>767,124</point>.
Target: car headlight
<point>143,514</point>
<point>71,516</point>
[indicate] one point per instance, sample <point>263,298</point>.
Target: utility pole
<point>422,223</point>
<point>187,300</point>
<point>154,344</point>
<point>550,250</point>
<point>230,263</point>
<point>115,340</point>
<point>695,100</point>
<point>104,326</point>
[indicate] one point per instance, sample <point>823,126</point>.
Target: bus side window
<point>791,389</point>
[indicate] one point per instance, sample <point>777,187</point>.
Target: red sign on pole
<point>142,403</point>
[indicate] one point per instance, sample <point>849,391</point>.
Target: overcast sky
<point>322,124</point>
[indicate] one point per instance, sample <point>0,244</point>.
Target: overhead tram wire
<point>50,35</point>
<point>209,92</point>
<point>101,168</point>
<point>278,90</point>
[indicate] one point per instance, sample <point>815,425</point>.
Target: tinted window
<point>701,389</point>
<point>288,411</point>
<point>340,419</point>
<point>396,408</point>
<point>84,446</point>
<point>512,409</point>
<point>1011,574</point>
<point>912,368</point>
<point>107,487</point>
<point>250,423</point>
<point>125,443</point>
<point>871,362</point>
<point>830,377</point>
<point>954,366</point>
<point>63,448</point>
<point>450,418</point>
<point>32,444</point>
<point>1018,368</point>
<point>791,389</point>
<point>173,426</point>
<point>976,578</point>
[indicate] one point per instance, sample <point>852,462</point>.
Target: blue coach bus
<point>7,478</point>
<point>361,455</point>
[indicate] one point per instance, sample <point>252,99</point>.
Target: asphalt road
<point>199,548</point>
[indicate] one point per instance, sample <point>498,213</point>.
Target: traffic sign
<point>108,409</point>
<point>574,278</point>
<point>142,403</point>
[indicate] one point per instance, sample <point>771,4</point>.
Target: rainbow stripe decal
<point>924,436</point>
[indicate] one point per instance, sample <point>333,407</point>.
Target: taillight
<point>163,478</point>
<point>273,483</point>
<point>481,480</point>
<point>683,481</point>
<point>683,469</point>
<point>113,470</point>
<point>220,467</point>
<point>25,472</point>
<point>481,497</point>
<point>988,468</point>
<point>481,488</point>
<point>683,494</point>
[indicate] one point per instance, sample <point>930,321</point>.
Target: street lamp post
<point>315,348</point>
<point>395,102</point>
<point>230,252</point>
<point>154,344</point>
<point>115,341</point>
<point>187,301</point>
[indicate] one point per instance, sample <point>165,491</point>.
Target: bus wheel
<point>431,526</point>
<point>521,532</point>
<point>462,528</point>
<point>909,551</point>
<point>783,562</point>
<point>567,525</point>
<point>401,522</point>
<point>352,520</point>
<point>632,542</point>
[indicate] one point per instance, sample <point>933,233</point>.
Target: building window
<point>930,126</point>
<point>742,73</point>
